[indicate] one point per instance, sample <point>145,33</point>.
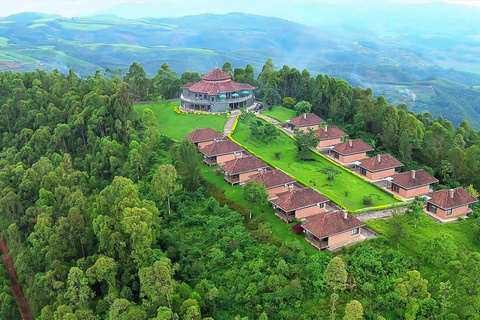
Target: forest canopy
<point>94,237</point>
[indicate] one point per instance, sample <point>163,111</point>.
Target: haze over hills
<point>407,55</point>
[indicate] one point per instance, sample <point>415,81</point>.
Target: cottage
<point>329,136</point>
<point>412,183</point>
<point>221,151</point>
<point>276,181</point>
<point>451,203</point>
<point>305,121</point>
<point>299,203</point>
<point>216,92</point>
<point>203,137</point>
<point>379,167</point>
<point>241,169</point>
<point>350,151</point>
<point>332,229</point>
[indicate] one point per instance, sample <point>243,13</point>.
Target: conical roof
<point>216,75</point>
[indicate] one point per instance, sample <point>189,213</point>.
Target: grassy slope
<point>280,113</point>
<point>235,193</point>
<point>462,233</point>
<point>346,188</point>
<point>170,125</point>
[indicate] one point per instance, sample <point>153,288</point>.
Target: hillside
<point>405,68</point>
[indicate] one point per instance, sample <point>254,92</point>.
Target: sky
<point>70,8</point>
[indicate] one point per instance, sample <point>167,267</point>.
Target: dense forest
<point>108,219</point>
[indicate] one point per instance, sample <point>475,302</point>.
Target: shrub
<point>367,200</point>
<point>277,155</point>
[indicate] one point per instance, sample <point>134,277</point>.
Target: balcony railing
<point>232,179</point>
<point>210,161</point>
<point>285,217</point>
<point>320,245</point>
<point>225,100</point>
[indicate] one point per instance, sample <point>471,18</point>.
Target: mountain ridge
<point>399,66</point>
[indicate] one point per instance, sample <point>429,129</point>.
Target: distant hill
<point>405,67</point>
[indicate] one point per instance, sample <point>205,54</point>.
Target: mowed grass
<point>265,214</point>
<point>346,189</point>
<point>177,126</point>
<point>280,113</point>
<point>463,236</point>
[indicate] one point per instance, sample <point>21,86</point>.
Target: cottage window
<point>363,171</point>
<point>395,188</point>
<point>433,208</point>
<point>449,212</point>
<point>336,155</point>
<point>321,205</point>
<point>354,231</point>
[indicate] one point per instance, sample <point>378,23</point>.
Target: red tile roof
<point>273,178</point>
<point>352,147</point>
<point>413,179</point>
<point>298,198</point>
<point>306,119</point>
<point>206,134</point>
<point>216,82</point>
<point>380,162</point>
<point>221,147</point>
<point>447,199</point>
<point>330,132</point>
<point>215,75</point>
<point>331,223</point>
<point>244,164</point>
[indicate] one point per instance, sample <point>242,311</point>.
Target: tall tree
<point>335,276</point>
<point>353,310</point>
<point>164,183</point>
<point>136,79</point>
<point>227,67</point>
<point>255,194</point>
<point>157,284</point>
<point>189,164</point>
<point>305,140</point>
<point>303,107</point>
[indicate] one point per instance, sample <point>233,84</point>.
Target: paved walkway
<point>274,121</point>
<point>227,129</point>
<point>380,214</point>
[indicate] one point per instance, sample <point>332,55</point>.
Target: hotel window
<point>449,212</point>
<point>433,208</point>
<point>354,231</point>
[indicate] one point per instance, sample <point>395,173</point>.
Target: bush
<point>277,155</point>
<point>367,200</point>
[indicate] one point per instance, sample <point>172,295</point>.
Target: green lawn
<point>235,193</point>
<point>347,189</point>
<point>177,126</point>
<point>280,113</point>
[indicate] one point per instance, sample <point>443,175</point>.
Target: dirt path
<point>16,289</point>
